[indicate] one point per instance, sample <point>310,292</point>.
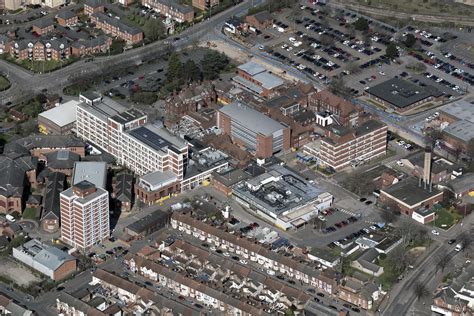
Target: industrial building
<point>253,130</point>
<point>59,120</point>
<point>50,261</point>
<point>282,197</point>
<point>402,95</point>
<point>257,79</point>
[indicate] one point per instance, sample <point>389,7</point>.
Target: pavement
<point>25,84</point>
<point>401,297</point>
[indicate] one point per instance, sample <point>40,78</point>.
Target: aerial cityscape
<point>237,157</point>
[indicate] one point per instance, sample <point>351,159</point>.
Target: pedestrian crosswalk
<point>369,220</point>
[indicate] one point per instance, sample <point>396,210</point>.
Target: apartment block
<point>84,215</point>
<point>344,146</point>
<point>142,148</point>
<point>116,28</point>
<point>205,4</point>
<point>93,6</point>
<point>172,9</point>
<point>40,49</point>
<point>253,130</point>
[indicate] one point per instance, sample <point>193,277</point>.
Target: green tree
<point>153,29</point>
<point>361,24</point>
<point>410,40</point>
<point>144,97</point>
<point>338,87</point>
<point>212,64</point>
<point>391,51</point>
<point>175,68</point>
<point>191,71</point>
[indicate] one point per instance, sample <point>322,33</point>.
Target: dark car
<point>451,241</point>
<point>148,283</point>
<point>362,199</point>
<point>60,288</point>
<point>355,309</point>
<point>368,202</point>
<point>320,294</point>
<point>198,305</point>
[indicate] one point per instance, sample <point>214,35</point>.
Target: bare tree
<point>399,259</point>
<point>420,290</point>
<point>442,263</point>
<point>465,239</point>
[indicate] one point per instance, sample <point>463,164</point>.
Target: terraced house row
<point>116,28</point>
<point>248,249</point>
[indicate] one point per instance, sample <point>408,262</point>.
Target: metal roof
<point>251,119</point>
<point>461,110</point>
<point>252,68</point>
<point>92,171</point>
<point>462,130</point>
<point>63,114</point>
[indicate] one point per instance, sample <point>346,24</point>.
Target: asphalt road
<point>402,297</point>
<point>26,84</point>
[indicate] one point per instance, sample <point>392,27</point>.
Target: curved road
<point>25,83</point>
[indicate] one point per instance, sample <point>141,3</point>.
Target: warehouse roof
<point>402,93</point>
<point>462,130</point>
<point>461,110</point>
<point>251,119</point>
<point>63,114</point>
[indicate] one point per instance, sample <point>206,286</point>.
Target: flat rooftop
<point>276,192</point>
<point>410,192</point>
<point>251,119</point>
<point>127,116</point>
<point>252,68</point>
<point>461,110</point>
<point>402,93</point>
<point>62,115</point>
<point>104,109</point>
<point>93,171</point>
<point>157,138</point>
<point>461,130</point>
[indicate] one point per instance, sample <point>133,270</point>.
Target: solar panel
<point>150,138</point>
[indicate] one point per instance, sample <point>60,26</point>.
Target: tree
<point>361,24</point>
<point>144,97</point>
<point>412,233</point>
<point>410,40</point>
<point>465,239</point>
<point>353,67</point>
<point>399,259</point>
<point>212,64</point>
<point>433,136</point>
<point>191,71</point>
<point>338,87</point>
<point>391,51</point>
<point>153,29</point>
<point>175,69</point>
<point>358,183</point>
<point>442,263</point>
<point>420,290</point>
<point>327,40</point>
<point>389,216</point>
<point>470,149</point>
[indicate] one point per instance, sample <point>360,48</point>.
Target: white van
<point>10,218</point>
<point>458,247</point>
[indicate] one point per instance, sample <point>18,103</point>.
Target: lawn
<point>389,277</point>
<point>4,83</point>
<point>30,213</point>
<point>445,219</point>
<point>42,66</point>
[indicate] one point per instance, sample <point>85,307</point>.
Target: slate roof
<point>12,174</point>
<point>54,187</point>
<point>62,159</point>
<point>123,187</point>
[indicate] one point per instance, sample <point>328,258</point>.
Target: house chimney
<point>427,167</point>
